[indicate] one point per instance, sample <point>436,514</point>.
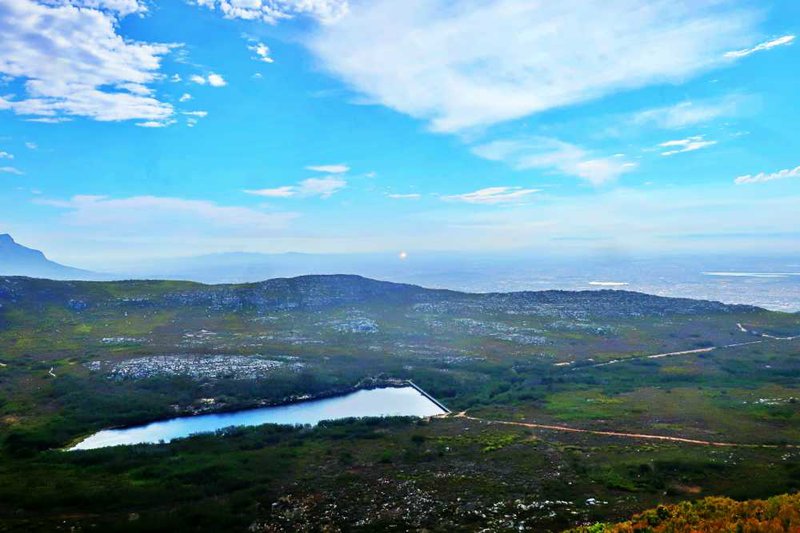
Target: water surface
<point>390,401</point>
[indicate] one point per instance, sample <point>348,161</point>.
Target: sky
<point>140,129</point>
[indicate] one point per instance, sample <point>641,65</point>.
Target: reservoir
<point>388,401</point>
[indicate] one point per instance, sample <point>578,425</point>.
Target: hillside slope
<point>558,389</point>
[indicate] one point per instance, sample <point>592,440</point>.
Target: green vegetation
<point>529,357</point>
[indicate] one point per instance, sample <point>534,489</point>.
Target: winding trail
<point>669,354</point>
<point>741,328</point>
<point>765,335</point>
<point>641,436</point>
<point>645,436</point>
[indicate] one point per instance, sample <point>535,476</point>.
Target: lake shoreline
<point>366,384</point>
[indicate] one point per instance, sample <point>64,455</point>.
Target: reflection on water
<point>392,401</point>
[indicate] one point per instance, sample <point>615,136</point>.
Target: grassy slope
<point>491,354</point>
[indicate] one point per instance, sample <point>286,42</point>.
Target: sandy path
<point>686,352</point>
<point>642,436</point>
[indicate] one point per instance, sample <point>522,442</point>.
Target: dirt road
<point>640,436</point>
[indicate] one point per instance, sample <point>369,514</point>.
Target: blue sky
<point>139,129</point>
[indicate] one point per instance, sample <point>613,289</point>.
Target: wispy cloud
<point>49,120</point>
<point>262,52</point>
<point>326,11</point>
<point>156,123</point>
<point>689,113</point>
<point>473,65</point>
<point>185,97</point>
<point>494,195</point>
<point>287,191</point>
<point>119,7</point>
<point>324,187</point>
<point>764,177</point>
<point>193,117</point>
<point>408,196</point>
<point>766,45</point>
<point>690,144</point>
<point>11,170</point>
<point>74,62</point>
<point>623,220</point>
<point>329,169</point>
<point>555,155</point>
<point>6,155</point>
<point>150,215</point>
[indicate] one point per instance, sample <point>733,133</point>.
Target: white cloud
<point>329,169</point>
<point>287,191</point>
<point>409,196</point>
<point>321,187</point>
<point>763,177</point>
<point>155,123</point>
<point>185,97</point>
<point>690,144</point>
<point>262,52</point>
<point>73,61</point>
<point>49,120</point>
<point>11,170</point>
<point>477,63</point>
<point>199,114</point>
<point>6,155</point>
<point>780,41</point>
<point>494,195</point>
<point>271,11</point>
<point>215,80</point>
<point>555,155</point>
<point>689,113</point>
<point>31,145</point>
<point>119,7</point>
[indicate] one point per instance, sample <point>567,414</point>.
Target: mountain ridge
<point>323,290</point>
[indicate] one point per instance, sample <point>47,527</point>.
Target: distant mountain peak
<point>11,250</point>
<point>19,260</point>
